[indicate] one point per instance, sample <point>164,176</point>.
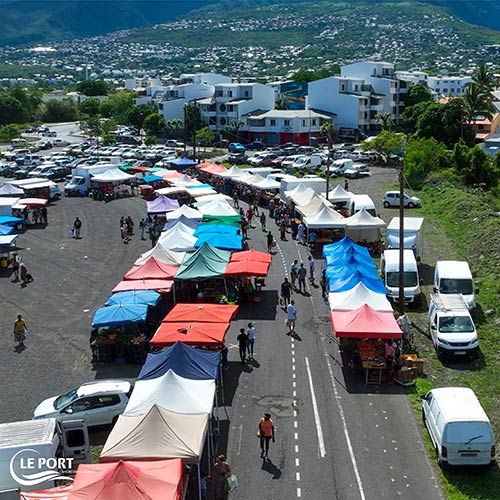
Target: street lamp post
<point>401,296</point>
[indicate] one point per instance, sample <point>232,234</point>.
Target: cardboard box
<point>406,374</point>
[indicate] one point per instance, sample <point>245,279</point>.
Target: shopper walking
<point>301,275</point>
<point>263,221</point>
<point>20,330</point>
<point>15,261</point>
<point>293,272</point>
<point>291,317</point>
<point>311,269</point>
<point>242,339</point>
<point>77,226</point>
<point>266,433</point>
<point>270,241</point>
<point>301,230</point>
<point>251,339</point>
<point>286,292</point>
<point>220,472</point>
<point>322,283</point>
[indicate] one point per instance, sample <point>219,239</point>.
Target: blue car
<point>255,146</point>
<point>236,147</point>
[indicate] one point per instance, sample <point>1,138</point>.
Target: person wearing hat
<point>251,338</point>
<point>266,433</point>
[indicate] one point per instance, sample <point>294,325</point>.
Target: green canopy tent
<point>207,262</point>
<point>226,220</point>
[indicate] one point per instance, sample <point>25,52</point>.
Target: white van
<point>360,201</point>
<point>453,276</point>
<point>389,266</point>
<point>458,426</point>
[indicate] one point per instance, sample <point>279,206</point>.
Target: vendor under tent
<point>373,283</point>
<point>172,392</point>
<point>217,207</point>
<point>326,218</point>
<point>205,313</point>
<point>207,262</point>
<point>183,163</point>
<point>10,190</point>
<point>162,254</point>
<point>158,434</point>
<point>120,315</point>
<point>186,211</point>
<point>112,175</point>
<point>231,173</point>
<point>220,239</point>
<point>161,205</point>
<point>209,335</point>
<point>357,297</point>
<point>365,322</point>
<point>249,263</point>
<point>186,361</point>
<point>151,269</point>
<point>161,286</point>
<point>362,226</point>
<point>147,297</point>
<point>131,480</point>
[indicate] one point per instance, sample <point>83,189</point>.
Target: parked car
<point>172,143</point>
<point>255,146</point>
<point>49,133</point>
<point>96,403</point>
<point>224,143</point>
<point>237,158</point>
<point>60,143</point>
<point>56,173</point>
<point>356,171</point>
<point>391,199</point>
<point>236,147</point>
<point>22,173</point>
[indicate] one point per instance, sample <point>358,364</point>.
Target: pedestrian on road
<point>283,230</point>
<point>77,226</point>
<point>220,472</point>
<point>251,338</point>
<point>255,205</point>
<point>322,283</point>
<point>346,185</point>
<point>250,215</point>
<point>293,272</point>
<point>223,355</point>
<point>242,339</point>
<point>15,261</point>
<point>142,227</point>
<point>311,269</point>
<point>25,276</point>
<point>236,202</point>
<point>286,291</point>
<point>130,225</point>
<point>44,215</point>
<point>301,275</point>
<point>311,239</point>
<point>203,485</point>
<point>20,330</point>
<point>270,241</point>
<point>291,317</point>
<point>301,229</point>
<point>266,433</point>
<point>263,221</point>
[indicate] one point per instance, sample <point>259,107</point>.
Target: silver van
<point>459,428</point>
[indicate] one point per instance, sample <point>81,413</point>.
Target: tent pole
<point>222,384</point>
<point>199,481</point>
<point>209,455</point>
<point>173,293</point>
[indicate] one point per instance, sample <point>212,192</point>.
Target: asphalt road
<point>336,437</point>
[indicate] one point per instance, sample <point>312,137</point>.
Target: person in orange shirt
<point>266,433</point>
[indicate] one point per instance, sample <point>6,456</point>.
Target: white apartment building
<point>204,78</point>
<point>439,86</point>
<point>233,102</point>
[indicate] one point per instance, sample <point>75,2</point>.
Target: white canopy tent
<point>172,392</point>
<point>162,254</point>
<point>155,435</point>
<point>11,190</point>
<point>232,173</point>
<point>200,190</point>
<point>185,180</point>
<point>252,179</point>
<point>356,297</point>
<point>326,218</point>
<point>212,197</point>
<point>217,207</point>
<point>295,191</point>
<point>362,226</point>
<point>314,206</point>
<point>338,195</point>
<point>112,175</point>
<point>178,239</point>
<point>172,190</point>
<point>186,211</point>
<point>303,198</point>
<point>267,185</point>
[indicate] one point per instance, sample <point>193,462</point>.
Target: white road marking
<point>295,424</point>
<point>344,426</point>
<point>297,462</point>
<point>294,384</point>
<point>239,439</point>
<point>294,394</point>
<point>299,492</point>
<point>297,476</point>
<point>293,375</point>
<point>296,436</point>
<point>296,448</point>
<point>319,429</point>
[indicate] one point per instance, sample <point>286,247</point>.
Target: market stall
<point>194,333</point>
<point>179,238</point>
<point>152,269</point>
<point>161,205</point>
<point>160,285</point>
<point>162,254</point>
<point>186,211</point>
<point>362,226</point>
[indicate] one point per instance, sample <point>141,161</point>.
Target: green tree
<point>56,111</point>
<point>108,125</point>
<point>411,114</point>
<point>107,139</point>
<point>137,115</point>
<point>11,111</point>
<point>385,143</point>
<point>306,75</point>
<point>90,107</point>
<point>484,79</point>
<point>233,129</point>
<point>326,131</point>
<point>192,123</point>
<point>154,124</point>
<point>476,103</point>
<point>118,105</point>
<point>460,158</point>
<point>174,127</point>
<point>481,171</point>
<point>30,100</point>
<point>454,124</point>
<point>91,125</point>
<point>9,132</point>
<point>385,120</point>
<point>150,140</point>
<point>204,136</point>
<point>416,94</point>
<point>422,157</point>
<point>93,88</point>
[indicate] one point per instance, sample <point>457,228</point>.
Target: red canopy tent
<point>131,480</point>
<point>205,313</point>
<point>152,269</point>
<point>161,286</point>
<point>365,322</point>
<point>194,333</point>
<point>58,493</point>
<point>169,174</point>
<point>248,263</point>
<point>211,168</point>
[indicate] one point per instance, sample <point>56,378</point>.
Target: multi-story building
<point>439,86</point>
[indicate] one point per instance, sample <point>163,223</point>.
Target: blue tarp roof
<point>225,241</point>
<point>120,315</point>
<point>184,360</point>
<point>184,162</point>
<point>5,230</point>
<point>337,273</point>
<point>198,186</point>
<point>348,283</point>
<point>345,246</point>
<point>344,260</point>
<point>8,219</point>
<point>148,297</point>
<point>151,178</point>
<point>215,229</point>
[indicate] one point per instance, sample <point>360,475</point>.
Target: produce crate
<point>412,361</point>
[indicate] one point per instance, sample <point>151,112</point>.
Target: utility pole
<point>401,298</point>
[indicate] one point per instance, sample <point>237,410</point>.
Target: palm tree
<point>476,103</point>
<point>326,130</point>
<point>385,120</point>
<point>484,78</point>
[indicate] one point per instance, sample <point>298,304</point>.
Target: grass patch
<point>469,220</point>
<point>95,451</point>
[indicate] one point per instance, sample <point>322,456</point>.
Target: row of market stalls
<point>361,315</point>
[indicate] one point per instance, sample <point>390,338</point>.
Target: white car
<point>96,403</point>
<point>391,199</point>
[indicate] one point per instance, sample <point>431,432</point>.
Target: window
<point>313,122</point>
<point>356,88</point>
<point>287,123</point>
<point>303,123</point>
<point>246,93</point>
<point>222,121</point>
<point>272,123</point>
<point>445,90</point>
<point>222,108</point>
<point>342,88</point>
<point>230,93</point>
<point>75,438</point>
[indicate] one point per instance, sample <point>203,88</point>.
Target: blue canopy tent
<point>120,315</point>
<point>184,162</point>
<point>152,178</point>
<point>132,297</point>
<point>338,273</point>
<point>216,228</point>
<point>6,230</point>
<point>345,246</point>
<point>347,260</point>
<point>348,283</point>
<point>8,220</point>
<point>184,360</point>
<point>225,241</point>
